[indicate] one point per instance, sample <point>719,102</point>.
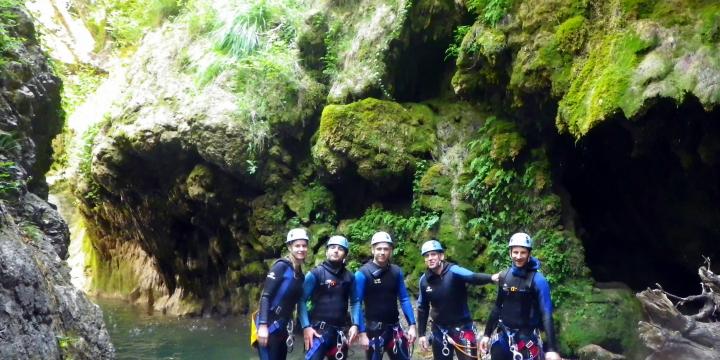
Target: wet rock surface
<point>43,316</point>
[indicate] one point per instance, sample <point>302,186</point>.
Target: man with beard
<point>523,307</point>
<point>380,285</point>
<point>329,286</point>
<point>443,287</point>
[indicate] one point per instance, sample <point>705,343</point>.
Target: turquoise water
<point>140,336</point>
<point>137,335</point>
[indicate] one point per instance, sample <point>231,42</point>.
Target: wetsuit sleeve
<point>308,287</point>
<point>471,277</point>
<point>494,313</point>
<point>546,309</point>
<point>355,304</point>
<point>404,297</point>
<point>359,317</point>
<point>423,307</point>
<point>272,283</point>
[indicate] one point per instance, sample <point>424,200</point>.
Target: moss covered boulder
<point>599,59</point>
<point>604,316</point>
<point>380,140</point>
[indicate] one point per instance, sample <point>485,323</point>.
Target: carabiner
<point>445,349</point>
<point>339,340</point>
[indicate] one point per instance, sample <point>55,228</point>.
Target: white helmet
<point>381,237</point>
<point>431,245</point>
<point>520,239</point>
<point>297,234</point>
<point>338,240</point>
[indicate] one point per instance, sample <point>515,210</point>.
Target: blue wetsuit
<point>379,288</point>
<point>280,295</point>
<point>446,295</point>
<point>522,308</point>
<point>329,287</point>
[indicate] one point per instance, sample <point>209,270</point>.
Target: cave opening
<point>645,195</point>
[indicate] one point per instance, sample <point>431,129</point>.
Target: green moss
<point>605,317</point>
<point>668,13</point>
<point>436,180</point>
<point>407,232</point>
<point>9,42</point>
<point>253,272</point>
<point>570,35</point>
<point>710,24</point>
<point>109,275</point>
<point>313,202</point>
<point>382,138</point>
<point>599,88</point>
<point>267,223</point>
<point>511,195</point>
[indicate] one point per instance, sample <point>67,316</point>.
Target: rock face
<point>346,117</point>
<point>44,316</point>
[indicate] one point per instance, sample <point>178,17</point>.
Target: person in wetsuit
<point>522,308</point>
<point>329,286</point>
<point>443,288</point>
<point>280,295</point>
<point>379,285</point>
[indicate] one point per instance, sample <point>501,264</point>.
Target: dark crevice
<point>354,195</point>
<point>645,194</point>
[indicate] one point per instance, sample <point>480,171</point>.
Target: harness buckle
<point>321,325</point>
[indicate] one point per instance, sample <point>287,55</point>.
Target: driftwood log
<point>672,335</point>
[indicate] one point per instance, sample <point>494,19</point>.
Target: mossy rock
<point>605,317</point>
<point>200,183</point>
<point>268,223</point>
<point>381,140</point>
<point>252,272</point>
<point>436,181</point>
<point>310,202</point>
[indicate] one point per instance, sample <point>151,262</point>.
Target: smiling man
<point>523,307</point>
<point>443,288</point>
<point>329,286</point>
<point>379,285</point>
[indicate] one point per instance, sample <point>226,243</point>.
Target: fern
<point>491,11</point>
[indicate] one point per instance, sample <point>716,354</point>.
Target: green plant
<point>8,183</point>
<point>66,343</point>
<point>490,11</point>
<point>454,49</point>
<point>8,42</point>
<point>509,187</point>
<point>125,22</point>
<point>92,196</point>
<point>242,36</point>
<point>332,49</point>
<point>8,143</point>
<point>31,231</point>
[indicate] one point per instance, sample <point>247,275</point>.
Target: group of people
<point>323,296</point>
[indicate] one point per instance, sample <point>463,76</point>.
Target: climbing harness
<point>533,349</point>
<point>513,347</point>
<point>465,349</point>
<point>397,335</point>
<point>290,341</point>
<point>378,344</point>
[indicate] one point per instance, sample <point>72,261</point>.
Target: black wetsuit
<point>330,287</point>
<point>523,305</point>
<point>380,288</point>
<point>280,295</point>
<point>446,295</point>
